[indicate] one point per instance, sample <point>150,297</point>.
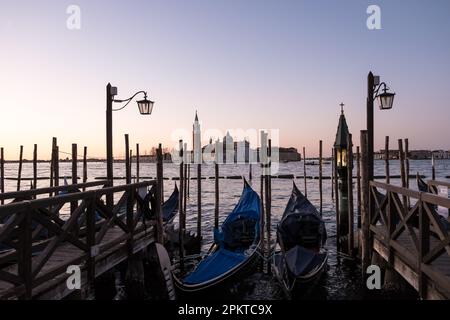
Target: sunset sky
<point>242,64</point>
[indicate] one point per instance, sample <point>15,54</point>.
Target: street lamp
<point>385,101</point>
<point>145,107</point>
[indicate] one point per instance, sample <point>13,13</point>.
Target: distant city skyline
<point>242,64</point>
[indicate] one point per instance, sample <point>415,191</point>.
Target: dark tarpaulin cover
<point>301,261</point>
<point>301,224</point>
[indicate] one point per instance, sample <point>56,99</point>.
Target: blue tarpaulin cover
<point>216,264</point>
<point>239,230</point>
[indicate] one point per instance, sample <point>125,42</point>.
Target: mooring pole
<point>365,228</point>
<point>185,178</point>
<point>137,162</point>
<point>19,174</point>
<point>320,178</point>
<point>262,159</point>
<point>304,171</point>
<point>35,167</point>
<point>336,198</point>
<point>386,160</point>
<point>189,180</point>
<point>127,160</point>
<point>269,200</point>
<point>216,185</point>
<point>199,199</point>
<point>350,194</point>
<point>74,204</point>
<point>250,172</point>
<point>84,166</point>
<point>159,181</point>
<point>332,173</point>
<point>2,172</point>
<point>433,168</point>
<point>358,186</point>
<point>109,145</point>
<point>180,210</point>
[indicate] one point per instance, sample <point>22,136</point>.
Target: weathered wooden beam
<point>2,172</point>
<point>365,214</point>
<point>320,178</point>
<point>304,172</point>
<point>350,194</point>
<point>19,173</point>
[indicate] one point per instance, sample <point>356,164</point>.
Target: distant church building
<point>197,140</point>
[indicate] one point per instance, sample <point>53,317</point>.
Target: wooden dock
<point>94,237</point>
<point>412,238</point>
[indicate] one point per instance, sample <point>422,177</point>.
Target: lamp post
<point>145,107</point>
<point>385,100</point>
<point>341,164</point>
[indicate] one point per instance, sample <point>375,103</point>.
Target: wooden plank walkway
<point>113,251</point>
<point>94,237</point>
<point>406,230</point>
<point>405,262</point>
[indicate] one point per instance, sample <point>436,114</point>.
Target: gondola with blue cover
<point>301,236</point>
<point>234,251</point>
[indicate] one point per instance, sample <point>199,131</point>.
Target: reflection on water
<point>343,279</point>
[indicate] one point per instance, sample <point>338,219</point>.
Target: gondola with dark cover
<point>301,236</point>
<point>169,207</point>
<point>234,252</point>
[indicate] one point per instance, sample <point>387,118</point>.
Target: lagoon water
<point>343,279</point>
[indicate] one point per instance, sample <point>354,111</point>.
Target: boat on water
<point>301,237</point>
<point>234,252</point>
<point>169,207</point>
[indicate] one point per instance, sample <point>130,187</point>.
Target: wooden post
<point>127,160</point>
<point>407,162</point>
<point>199,199</point>
<point>250,172</point>
<point>216,194</point>
<point>84,166</point>
<point>131,165</point>
<point>74,204</point>
<point>189,180</point>
<point>180,210</point>
<point>262,159</point>
<point>304,171</point>
<point>185,178</point>
<point>56,166</point>
<point>386,160</point>
<point>433,168</point>
<point>424,248</point>
<point>358,186</point>
<point>336,198</point>
<point>332,173</point>
<point>130,200</point>
<point>268,201</point>
<point>52,164</point>
<point>137,162</point>
<point>25,253</point>
<point>35,175</point>
<point>19,174</point>
<point>365,228</point>
<point>2,172</point>
<point>160,181</point>
<point>350,194</point>
<point>90,240</point>
<point>320,178</point>
<point>403,173</point>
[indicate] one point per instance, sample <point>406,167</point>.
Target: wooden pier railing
<point>41,245</point>
<point>414,239</point>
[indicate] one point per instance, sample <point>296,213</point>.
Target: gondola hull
<point>301,236</point>
<point>298,284</point>
<point>233,254</point>
<point>216,286</point>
